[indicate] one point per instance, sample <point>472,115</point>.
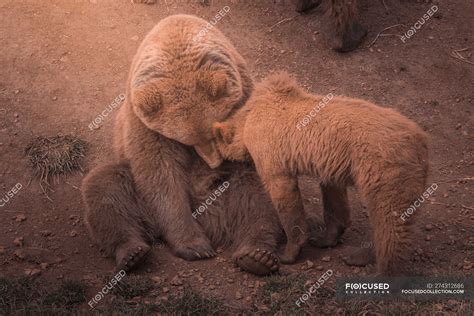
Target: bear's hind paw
<point>259,262</point>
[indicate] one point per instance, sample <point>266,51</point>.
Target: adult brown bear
<point>184,77</point>
<point>342,26</point>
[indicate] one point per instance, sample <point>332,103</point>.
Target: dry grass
<point>51,157</point>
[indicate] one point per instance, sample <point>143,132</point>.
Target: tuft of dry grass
<point>51,157</point>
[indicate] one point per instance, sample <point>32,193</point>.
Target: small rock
<point>45,233</point>
<point>428,237</point>
<point>44,265</point>
<point>20,254</point>
<point>72,233</point>
<point>458,125</point>
<point>238,295</point>
<point>467,265</point>
<point>134,38</point>
<point>156,279</point>
<point>17,91</point>
<point>309,264</point>
<point>18,241</point>
<point>166,290</point>
<point>176,281</point>
<point>32,272</point>
<point>2,250</point>
<point>429,227</point>
<point>16,114</point>
<point>20,218</point>
<point>275,297</point>
<point>320,268</point>
<point>326,259</point>
<point>54,98</point>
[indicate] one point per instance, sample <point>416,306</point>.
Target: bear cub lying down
<point>348,142</point>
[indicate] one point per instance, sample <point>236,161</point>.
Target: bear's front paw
<point>130,255</point>
<point>195,250</point>
<point>359,257</point>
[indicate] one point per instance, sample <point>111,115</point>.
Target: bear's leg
<point>161,175</point>
<point>114,216</point>
<point>391,234</point>
<point>243,217</point>
<point>256,246</point>
<point>336,214</point>
<point>286,198</point>
<point>343,28</point>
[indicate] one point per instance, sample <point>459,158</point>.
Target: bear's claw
<point>133,257</point>
<point>259,262</point>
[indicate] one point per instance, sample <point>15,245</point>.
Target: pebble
<point>72,233</point>
<point>44,265</point>
<point>166,290</point>
<point>309,264</point>
<point>320,268</point>
<point>20,218</point>
<point>18,241</point>
<point>326,259</point>
<point>32,272</point>
<point>275,297</point>
<point>428,237</point>
<point>238,295</point>
<point>467,265</point>
<point>134,38</point>
<point>176,281</point>
<point>45,233</point>
<point>2,250</point>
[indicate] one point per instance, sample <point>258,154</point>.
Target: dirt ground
<point>63,62</point>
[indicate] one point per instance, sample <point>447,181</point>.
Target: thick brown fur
<point>181,81</point>
<point>289,132</point>
<point>341,25</point>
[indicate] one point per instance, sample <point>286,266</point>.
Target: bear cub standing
<point>346,142</point>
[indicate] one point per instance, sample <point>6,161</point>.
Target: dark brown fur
<point>178,86</point>
<point>341,26</point>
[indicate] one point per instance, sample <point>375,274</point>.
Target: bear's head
<point>229,137</point>
<point>182,102</point>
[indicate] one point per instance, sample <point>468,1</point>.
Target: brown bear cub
<point>288,132</point>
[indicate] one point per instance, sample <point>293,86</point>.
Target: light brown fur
<point>177,87</point>
<point>346,141</point>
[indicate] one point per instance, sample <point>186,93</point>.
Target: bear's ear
<point>215,83</point>
<point>223,132</point>
<point>147,99</point>
<point>218,76</point>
